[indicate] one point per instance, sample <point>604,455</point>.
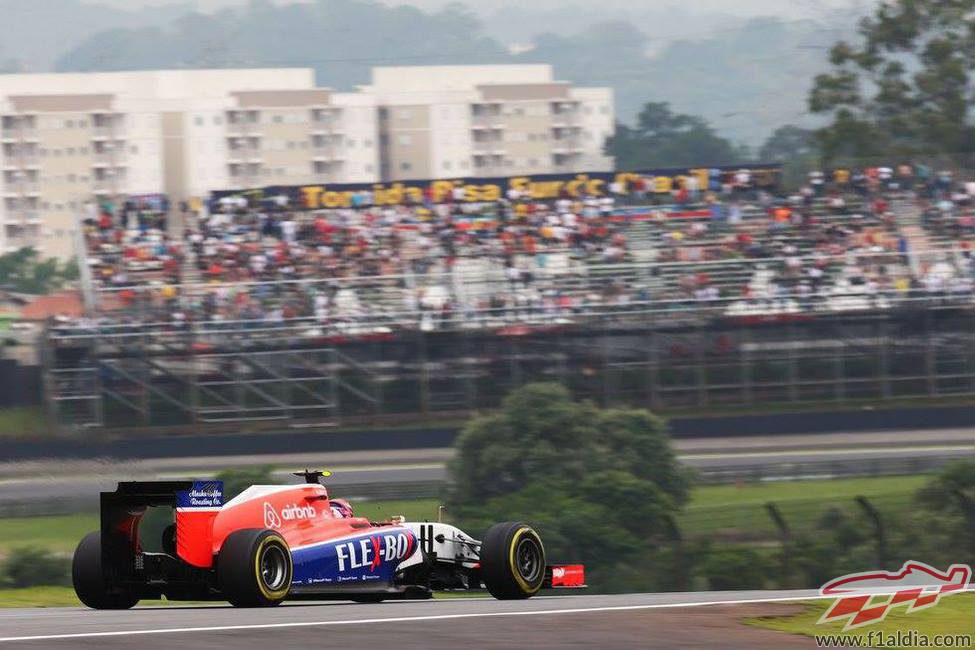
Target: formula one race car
<point>277,542</point>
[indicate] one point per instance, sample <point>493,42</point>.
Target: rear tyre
<point>254,568</point>
<point>512,561</point>
<point>89,580</point>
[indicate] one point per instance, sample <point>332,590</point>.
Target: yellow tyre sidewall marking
<point>280,593</point>
<point>522,532</point>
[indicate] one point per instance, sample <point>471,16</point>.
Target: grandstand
<point>320,317</point>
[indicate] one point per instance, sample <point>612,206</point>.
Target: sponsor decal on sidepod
<point>292,512</point>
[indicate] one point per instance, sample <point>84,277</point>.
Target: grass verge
<point>23,422</point>
<point>953,615</point>
<point>739,511</point>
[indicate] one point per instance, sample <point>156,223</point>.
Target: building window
<point>405,140</point>
<point>404,113</point>
<point>447,165</point>
<point>277,119</point>
<point>199,121</point>
<point>405,166</point>
<point>218,120</point>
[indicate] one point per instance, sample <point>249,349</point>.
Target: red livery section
<point>568,575</point>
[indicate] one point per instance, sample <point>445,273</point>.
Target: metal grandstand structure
<point>291,375</point>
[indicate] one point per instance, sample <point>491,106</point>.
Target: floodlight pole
<point>84,270</point>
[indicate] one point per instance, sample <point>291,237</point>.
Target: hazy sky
<point>790,8</point>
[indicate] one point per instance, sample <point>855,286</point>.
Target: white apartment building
<point>67,139</point>
<point>490,120</point>
<point>70,138</point>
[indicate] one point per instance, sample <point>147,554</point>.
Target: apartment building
<point>279,136</point>
<point>496,120</point>
<point>70,139</point>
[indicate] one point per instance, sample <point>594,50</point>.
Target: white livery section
<point>445,542</point>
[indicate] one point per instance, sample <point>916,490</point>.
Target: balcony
<point>106,185</point>
<point>242,156</point>
<point>106,158</point>
<point>494,146</point>
<point>16,188</point>
<point>327,156</point>
<point>567,145</point>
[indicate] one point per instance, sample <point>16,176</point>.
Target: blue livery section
<point>370,557</point>
<point>203,494</point>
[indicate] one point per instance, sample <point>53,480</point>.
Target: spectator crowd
<point>727,244</point>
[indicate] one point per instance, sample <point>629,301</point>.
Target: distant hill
<point>37,32</point>
<point>746,76</point>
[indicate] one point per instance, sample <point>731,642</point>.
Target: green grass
<point>738,511</point>
<point>23,422</point>
<point>953,615</point>
<point>39,597</point>
<point>413,510</point>
<point>59,534</point>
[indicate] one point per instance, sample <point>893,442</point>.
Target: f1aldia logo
<point>866,598</point>
<point>374,550</point>
<point>273,519</point>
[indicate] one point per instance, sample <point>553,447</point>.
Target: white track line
<point>398,619</point>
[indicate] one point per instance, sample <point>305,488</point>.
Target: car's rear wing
<point>196,504</point>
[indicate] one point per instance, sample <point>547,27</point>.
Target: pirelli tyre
<point>88,577</point>
<point>254,568</point>
<point>512,561</point>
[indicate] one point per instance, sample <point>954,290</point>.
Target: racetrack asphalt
<point>638,620</point>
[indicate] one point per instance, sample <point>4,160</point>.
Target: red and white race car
<point>277,542</point>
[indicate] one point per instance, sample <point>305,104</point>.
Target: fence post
<point>879,533</point>
<point>785,534</point>
<point>678,539</point>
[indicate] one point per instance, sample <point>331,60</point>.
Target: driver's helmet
<point>341,509</point>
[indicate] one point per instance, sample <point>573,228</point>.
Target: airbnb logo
<point>271,517</point>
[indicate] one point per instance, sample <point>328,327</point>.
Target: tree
<point>236,481</point>
<point>789,142</point>
<point>905,87</point>
<point>662,138</point>
<point>950,498</point>
<point>23,271</point>
<point>602,486</point>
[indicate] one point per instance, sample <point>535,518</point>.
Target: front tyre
<point>89,580</point>
<point>254,568</point>
<point>512,561</point>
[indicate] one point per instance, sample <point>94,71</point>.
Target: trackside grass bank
<point>739,512</point>
<point>953,615</point>
<point>724,510</point>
